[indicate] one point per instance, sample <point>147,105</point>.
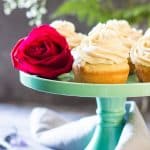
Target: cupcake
<point>128,35</point>
<point>100,59</point>
<point>140,56</point>
<point>67,29</point>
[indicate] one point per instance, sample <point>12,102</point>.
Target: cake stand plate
<point>110,100</point>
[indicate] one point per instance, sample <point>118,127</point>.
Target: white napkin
<point>135,134</point>
<point>49,129</point>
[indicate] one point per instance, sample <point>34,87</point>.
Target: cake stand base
<point>111,121</point>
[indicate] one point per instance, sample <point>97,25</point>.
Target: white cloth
<point>135,134</point>
<point>46,129</point>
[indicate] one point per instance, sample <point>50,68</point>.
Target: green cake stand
<point>110,100</point>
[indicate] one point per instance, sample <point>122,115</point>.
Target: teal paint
<point>110,102</point>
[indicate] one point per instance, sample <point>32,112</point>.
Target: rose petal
<point>43,52</point>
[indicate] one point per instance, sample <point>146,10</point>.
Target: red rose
<point>43,52</point>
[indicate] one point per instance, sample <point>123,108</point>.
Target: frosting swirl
<point>140,53</point>
<point>97,29</point>
<point>67,29</point>
<point>127,34</point>
<point>147,33</point>
<point>101,47</point>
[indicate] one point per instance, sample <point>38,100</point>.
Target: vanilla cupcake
<point>127,34</point>
<point>100,59</point>
<point>67,29</point>
<point>140,56</point>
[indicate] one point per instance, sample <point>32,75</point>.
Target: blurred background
<point>12,28</point>
<point>17,18</point>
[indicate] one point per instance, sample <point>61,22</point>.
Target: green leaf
<point>93,11</point>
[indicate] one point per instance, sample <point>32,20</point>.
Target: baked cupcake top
<point>100,47</point>
<point>67,29</point>
<point>140,53</point>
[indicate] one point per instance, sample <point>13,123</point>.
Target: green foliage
<point>134,14</point>
<point>93,11</point>
<point>84,10</point>
<point>90,11</point>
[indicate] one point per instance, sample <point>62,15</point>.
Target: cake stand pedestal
<point>110,100</point>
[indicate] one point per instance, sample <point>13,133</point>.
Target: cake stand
<point>110,100</point>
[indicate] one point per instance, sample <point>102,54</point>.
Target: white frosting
<point>127,34</point>
<point>67,29</point>
<point>123,30</point>
<point>140,53</point>
<point>103,47</point>
<point>75,39</point>
<point>147,33</point>
<point>96,29</point>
